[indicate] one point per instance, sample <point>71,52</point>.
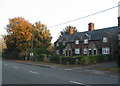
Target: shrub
<point>92,59</point>
<point>55,59</point>
<point>85,60</point>
<point>68,60</point>
<point>109,57</point>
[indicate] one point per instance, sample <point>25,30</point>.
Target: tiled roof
<point>95,34</point>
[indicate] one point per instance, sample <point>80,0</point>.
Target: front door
<point>90,52</point>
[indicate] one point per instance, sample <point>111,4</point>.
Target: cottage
<point>91,42</point>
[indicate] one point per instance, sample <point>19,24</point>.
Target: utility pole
<point>31,53</point>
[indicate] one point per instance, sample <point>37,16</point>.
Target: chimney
<point>90,26</point>
<point>71,30</point>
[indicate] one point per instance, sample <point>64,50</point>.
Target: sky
<point>54,12</point>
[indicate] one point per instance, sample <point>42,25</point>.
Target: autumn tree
<point>23,36</point>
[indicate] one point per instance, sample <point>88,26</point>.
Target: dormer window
<point>76,42</point>
<point>86,41</point>
<point>57,44</point>
<point>105,39</point>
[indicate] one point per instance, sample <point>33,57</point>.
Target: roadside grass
<point>48,63</point>
<point>113,69</point>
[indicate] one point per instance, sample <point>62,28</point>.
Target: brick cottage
<point>91,42</point>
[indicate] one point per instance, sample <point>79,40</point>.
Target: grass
<point>113,69</point>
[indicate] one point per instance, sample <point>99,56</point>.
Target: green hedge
<point>55,59</point>
<point>68,60</point>
<point>95,59</point>
<point>84,60</point>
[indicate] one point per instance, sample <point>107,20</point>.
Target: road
<point>17,73</point>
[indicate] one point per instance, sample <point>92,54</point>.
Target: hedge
<point>84,60</point>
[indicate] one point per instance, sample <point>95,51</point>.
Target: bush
<point>85,60</point>
<point>109,57</point>
<point>92,59</point>
<point>68,60</point>
<point>101,58</point>
<point>55,59</point>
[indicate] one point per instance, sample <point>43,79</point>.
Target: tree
<point>42,36</point>
<point>66,31</point>
<point>20,32</point>
<point>24,36</point>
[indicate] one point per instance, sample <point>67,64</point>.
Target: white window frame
<point>64,43</point>
<point>85,41</point>
<point>76,42</point>
<point>85,51</point>
<point>63,51</point>
<point>105,39</point>
<point>57,44</point>
<point>77,51</point>
<point>57,52</point>
<point>105,50</point>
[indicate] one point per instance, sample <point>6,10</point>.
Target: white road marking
<point>15,67</point>
<point>68,69</point>
<point>76,82</point>
<point>5,64</point>
<point>79,83</point>
<point>34,72</point>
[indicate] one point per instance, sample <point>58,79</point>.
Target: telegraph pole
<point>31,53</point>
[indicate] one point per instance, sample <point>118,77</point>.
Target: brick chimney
<point>90,26</point>
<point>71,30</point>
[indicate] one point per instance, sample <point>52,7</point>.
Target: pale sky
<point>53,12</point>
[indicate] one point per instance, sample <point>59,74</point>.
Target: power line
<point>85,16</point>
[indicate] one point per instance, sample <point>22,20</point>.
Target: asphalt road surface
<point>17,73</point>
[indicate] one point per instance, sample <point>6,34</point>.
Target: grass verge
<point>113,69</point>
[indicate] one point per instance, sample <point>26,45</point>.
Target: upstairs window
<point>57,44</point>
<point>76,42</point>
<point>86,41</point>
<point>77,51</point>
<point>105,39</point>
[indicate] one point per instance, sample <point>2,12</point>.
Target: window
<point>57,52</point>
<point>86,41</point>
<point>77,51</point>
<point>64,43</point>
<point>105,39</point>
<point>85,50</point>
<point>57,44</point>
<point>63,51</point>
<point>76,41</point>
<point>105,50</point>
